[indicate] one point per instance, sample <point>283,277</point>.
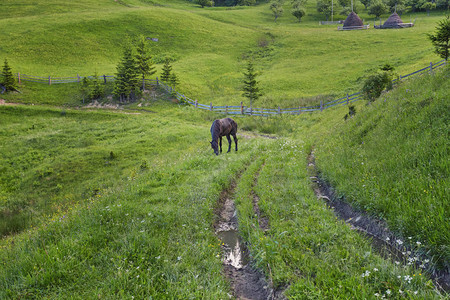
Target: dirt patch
<point>383,240</point>
<point>246,281</point>
<point>3,102</point>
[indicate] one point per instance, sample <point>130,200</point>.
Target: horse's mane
<point>215,130</point>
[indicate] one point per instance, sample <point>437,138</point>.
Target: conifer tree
<point>250,88</point>
<point>7,79</point>
<point>166,71</point>
<point>127,81</point>
<point>97,90</point>
<point>174,81</point>
<point>144,61</point>
<point>441,39</point>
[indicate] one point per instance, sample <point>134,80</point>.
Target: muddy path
<point>247,282</point>
<point>377,231</point>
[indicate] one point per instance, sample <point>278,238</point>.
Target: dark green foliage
<point>375,84</point>
<point>276,6</point>
<point>144,61</point>
<point>97,90</point>
<point>127,83</point>
<point>324,7</point>
<point>441,38</point>
<point>377,8</point>
<point>204,3</point>
<point>166,71</point>
<point>7,79</point>
<point>351,112</point>
<point>251,89</point>
<point>174,81</point>
<point>298,9</point>
<point>84,88</point>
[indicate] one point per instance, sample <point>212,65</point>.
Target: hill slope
<point>392,160</point>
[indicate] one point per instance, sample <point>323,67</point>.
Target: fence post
<point>18,77</point>
<point>226,109</point>
<point>348,99</point>
<point>49,80</point>
<point>157,81</point>
<point>104,78</point>
<point>431,67</point>
<point>242,109</point>
<point>299,110</point>
<point>185,101</point>
<point>196,103</point>
<point>251,110</point>
<point>210,106</point>
<point>321,105</point>
<point>78,78</point>
<point>279,110</point>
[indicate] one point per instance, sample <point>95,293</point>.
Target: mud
<point>382,239</point>
<point>246,281</point>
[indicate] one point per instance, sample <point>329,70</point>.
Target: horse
<point>220,128</point>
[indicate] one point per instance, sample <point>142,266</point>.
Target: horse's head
<point>215,147</point>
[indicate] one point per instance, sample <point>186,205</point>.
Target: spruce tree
<point>144,61</point>
<point>441,39</point>
<point>97,90</point>
<point>173,80</point>
<point>7,79</point>
<point>127,81</point>
<point>166,71</point>
<point>251,89</point>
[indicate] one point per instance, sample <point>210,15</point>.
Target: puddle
<point>234,250</point>
<point>246,282</point>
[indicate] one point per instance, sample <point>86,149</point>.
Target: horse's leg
<point>220,144</point>
<point>229,143</point>
<point>235,140</point>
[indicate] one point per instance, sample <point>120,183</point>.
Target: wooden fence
<point>230,109</point>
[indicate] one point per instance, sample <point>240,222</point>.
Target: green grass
<point>297,61</point>
<point>391,160</point>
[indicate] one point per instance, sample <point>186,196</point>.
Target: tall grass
<point>392,161</point>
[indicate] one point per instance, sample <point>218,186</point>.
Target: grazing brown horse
<point>220,128</point>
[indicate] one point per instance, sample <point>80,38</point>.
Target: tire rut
<point>247,282</point>
<point>382,239</point>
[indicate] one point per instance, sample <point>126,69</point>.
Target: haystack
<point>394,21</point>
<point>353,22</point>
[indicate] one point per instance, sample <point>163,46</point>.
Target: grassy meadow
<point>210,46</point>
<point>119,203</point>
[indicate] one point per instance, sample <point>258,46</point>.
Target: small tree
<point>204,3</point>
<point>250,88</point>
<point>85,88</point>
<point>174,81</point>
<point>97,90</point>
<point>441,38</point>
<point>324,7</point>
<point>166,71</point>
<point>377,8</point>
<point>144,61</point>
<point>298,10</point>
<point>375,84</point>
<point>126,84</point>
<point>276,6</point>
<point>7,79</point>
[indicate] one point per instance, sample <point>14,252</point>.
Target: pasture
<point>121,203</point>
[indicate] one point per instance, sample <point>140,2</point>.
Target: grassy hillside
<point>391,160</point>
<point>209,46</point>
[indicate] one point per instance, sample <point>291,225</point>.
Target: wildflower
<point>158,257</point>
<point>418,243</point>
<point>375,269</point>
<point>426,261</point>
<point>377,295</point>
<point>179,258</point>
<point>397,262</point>
<point>388,292</point>
<point>400,291</point>
<point>399,242</point>
<point>388,239</point>
<point>415,293</point>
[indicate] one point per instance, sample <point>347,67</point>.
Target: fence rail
<point>229,109</point>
